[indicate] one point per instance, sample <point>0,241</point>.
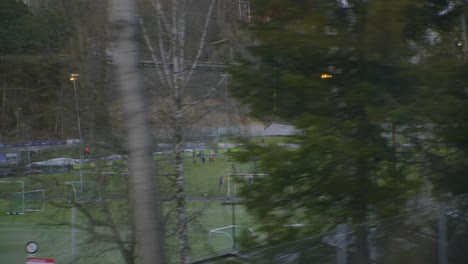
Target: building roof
<point>275,129</point>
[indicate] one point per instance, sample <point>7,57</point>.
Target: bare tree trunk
<point>178,47</point>
<point>144,201</point>
<point>180,187</point>
<point>175,76</point>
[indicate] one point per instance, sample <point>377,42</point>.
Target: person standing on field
<point>220,183</point>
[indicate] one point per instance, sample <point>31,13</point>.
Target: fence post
<point>341,244</point>
<point>442,234</point>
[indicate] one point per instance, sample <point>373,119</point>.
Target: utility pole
<point>17,124</point>
<point>18,154</point>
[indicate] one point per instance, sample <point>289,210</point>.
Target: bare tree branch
<point>201,43</point>
<point>176,77</point>
<point>207,95</point>
<point>163,27</point>
<point>151,49</point>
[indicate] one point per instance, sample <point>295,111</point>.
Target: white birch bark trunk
<point>178,76</point>
<point>172,50</point>
<point>144,201</point>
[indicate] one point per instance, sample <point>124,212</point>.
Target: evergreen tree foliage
<point>440,122</point>
<point>11,11</point>
<point>43,31</point>
<point>343,75</point>
<point>30,65</point>
<point>443,104</point>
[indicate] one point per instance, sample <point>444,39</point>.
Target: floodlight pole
<point>74,78</point>
<point>17,124</point>
<point>29,153</point>
<point>18,153</point>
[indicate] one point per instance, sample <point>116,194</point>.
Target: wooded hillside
<point>37,95</point>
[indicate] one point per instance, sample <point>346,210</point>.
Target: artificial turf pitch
<point>51,229</point>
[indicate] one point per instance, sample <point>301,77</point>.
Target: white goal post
<point>232,179</point>
<point>229,231</point>
<point>33,201</point>
<point>81,192</point>
<point>14,199</point>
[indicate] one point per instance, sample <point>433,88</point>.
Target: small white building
<point>275,129</point>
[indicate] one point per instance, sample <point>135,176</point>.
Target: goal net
<point>29,201</point>
<point>8,200</point>
<point>230,232</point>
<point>82,191</point>
<point>233,182</point>
<point>14,199</point>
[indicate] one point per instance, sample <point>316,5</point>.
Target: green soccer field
<point>52,230</point>
<point>52,227</point>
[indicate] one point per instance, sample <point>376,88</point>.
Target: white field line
<point>65,230</point>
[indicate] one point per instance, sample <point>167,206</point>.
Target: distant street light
<point>325,76</point>
<point>74,78</point>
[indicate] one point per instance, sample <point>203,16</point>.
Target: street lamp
<point>326,76</point>
<point>74,78</point>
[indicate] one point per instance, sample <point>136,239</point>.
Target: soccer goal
<point>234,181</point>
<point>29,201</point>
<point>14,199</point>
<point>231,232</point>
<point>82,192</point>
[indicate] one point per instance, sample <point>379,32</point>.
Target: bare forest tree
<point>177,57</point>
<point>176,60</point>
<point>176,63</point>
<point>175,73</point>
